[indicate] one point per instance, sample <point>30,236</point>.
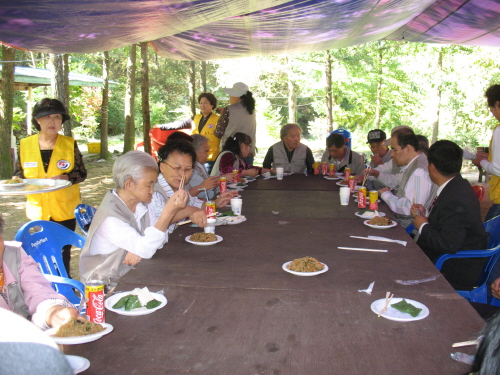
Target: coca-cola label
<point>361,199</point>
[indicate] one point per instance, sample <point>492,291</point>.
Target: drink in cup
<point>236,204</point>
<point>362,197</point>
<point>209,208</point>
<point>210,228</point>
<point>223,184</point>
<point>351,183</point>
<point>347,173</point>
<point>324,168</point>
<point>331,170</point>
<point>236,176</point>
<point>279,173</point>
<point>316,165</point>
<point>94,295</point>
<point>344,193</point>
<point>373,200</point>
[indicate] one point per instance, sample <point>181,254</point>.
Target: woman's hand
<point>199,217</point>
<point>60,177</point>
<point>223,199</point>
<point>209,183</point>
<point>131,259</point>
<point>229,177</point>
<point>252,172</point>
<point>264,170</point>
<point>58,315</point>
<point>177,201</point>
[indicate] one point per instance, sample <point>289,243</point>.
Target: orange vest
<point>208,131</point>
<point>57,205</point>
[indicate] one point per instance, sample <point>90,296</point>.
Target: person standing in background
<point>238,117</point>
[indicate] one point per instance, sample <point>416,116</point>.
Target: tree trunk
<point>435,125</point>
<point>146,118</point>
<point>6,112</point>
<point>129,138</point>
<point>378,100</point>
<point>292,97</point>
<point>192,87</point>
<point>57,83</point>
<point>104,106</point>
<point>67,124</point>
<point>203,74</point>
<point>328,90</point>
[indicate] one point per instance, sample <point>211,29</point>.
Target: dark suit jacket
<point>455,224</point>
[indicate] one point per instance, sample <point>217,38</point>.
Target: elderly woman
<point>235,150</point>
<point>124,230</point>
<point>26,291</point>
<point>238,117</point>
<point>49,154</point>
<point>200,180</point>
<point>289,153</point>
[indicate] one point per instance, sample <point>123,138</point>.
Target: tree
<point>328,90</point>
<point>146,118</point>
<point>129,138</point>
<point>6,111</point>
<point>192,87</point>
<point>58,88</point>
<point>104,106</point>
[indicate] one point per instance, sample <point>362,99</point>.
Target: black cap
<point>376,135</point>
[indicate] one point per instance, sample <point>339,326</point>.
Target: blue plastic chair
<point>43,241</point>
<point>84,215</point>
<point>492,226</point>
<point>410,228</point>
<point>346,134</point>
<point>67,287</point>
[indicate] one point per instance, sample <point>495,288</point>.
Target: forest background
<point>436,89</point>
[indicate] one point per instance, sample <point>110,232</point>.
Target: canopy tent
<point>217,29</point>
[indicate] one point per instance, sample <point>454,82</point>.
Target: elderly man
<point>415,185</point>
<point>26,291</point>
<point>342,156</point>
<point>292,155</point>
<point>454,221</point>
<point>124,230</point>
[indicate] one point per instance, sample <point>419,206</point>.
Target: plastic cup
<point>210,228</point>
<point>279,173</point>
<point>236,204</point>
<point>344,193</point>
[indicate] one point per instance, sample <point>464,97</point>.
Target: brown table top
<point>294,182</point>
<point>233,310</point>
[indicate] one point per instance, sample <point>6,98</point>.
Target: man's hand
<point>58,315</point>
<point>372,172</point>
<point>131,259</point>
<point>358,179</point>
<point>376,159</point>
<point>417,210</point>
<point>495,288</point>
<point>199,218</point>
<point>479,157</point>
<point>383,190</point>
<point>419,220</point>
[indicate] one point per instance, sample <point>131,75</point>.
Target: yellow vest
<point>57,205</point>
<point>494,190</point>
<point>208,131</point>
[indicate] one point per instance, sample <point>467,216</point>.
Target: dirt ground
<point>98,182</point>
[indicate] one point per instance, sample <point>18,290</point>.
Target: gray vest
<point>108,267</point>
<point>240,121</point>
<point>420,162</point>
<point>12,258</point>
<point>298,163</point>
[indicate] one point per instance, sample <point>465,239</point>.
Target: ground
<point>99,181</point>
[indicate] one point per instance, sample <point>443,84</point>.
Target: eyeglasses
<point>180,169</point>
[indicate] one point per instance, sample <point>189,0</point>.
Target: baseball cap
<point>238,89</point>
<point>376,135</point>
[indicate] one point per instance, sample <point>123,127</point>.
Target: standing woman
<point>205,125</point>
<point>49,154</point>
<point>239,116</point>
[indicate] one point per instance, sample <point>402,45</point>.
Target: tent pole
<point>29,105</point>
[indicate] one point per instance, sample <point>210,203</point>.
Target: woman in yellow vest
<point>205,125</point>
<point>49,154</point>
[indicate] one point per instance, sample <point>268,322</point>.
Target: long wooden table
<point>233,310</point>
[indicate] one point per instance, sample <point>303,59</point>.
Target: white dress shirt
<point>386,176</point>
<point>114,234</point>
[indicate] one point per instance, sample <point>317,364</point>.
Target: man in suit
<point>454,219</point>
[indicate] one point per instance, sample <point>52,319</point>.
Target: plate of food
<point>230,220</point>
<point>307,266</point>
<point>401,309</point>
<point>78,364</point>
<point>331,178</point>
<point>239,185</point>
<point>368,214</point>
<point>380,223</point>
<point>135,302</point>
<point>203,239</point>
<point>78,331</point>
<point>14,182</point>
<point>344,183</point>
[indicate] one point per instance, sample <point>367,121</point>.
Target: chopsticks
<point>362,249</point>
<point>188,221</point>
<point>465,343</point>
<point>388,299</point>
<point>365,177</point>
<point>181,186</point>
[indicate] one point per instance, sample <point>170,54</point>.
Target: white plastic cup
<point>279,173</point>
<point>236,204</point>
<point>344,193</point>
<point>210,227</point>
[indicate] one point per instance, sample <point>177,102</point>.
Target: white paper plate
<point>236,186</point>
<point>285,174</point>
<point>219,239</point>
<point>304,273</point>
<point>230,220</point>
<point>331,178</point>
<point>3,185</point>
<point>369,216</point>
<point>267,178</point>
<point>356,187</point>
<point>79,339</point>
<point>78,364</point>
<point>135,312</point>
<point>393,314</point>
<point>380,226</point>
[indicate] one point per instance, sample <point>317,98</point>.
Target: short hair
<point>446,156</point>
<point>335,139</point>
<point>286,128</point>
<point>492,95</point>
<point>2,225</point>
<point>423,143</point>
<point>180,135</point>
<point>233,143</point>
<point>400,127</point>
<point>182,146</point>
<point>45,107</point>
<point>198,141</point>
<point>210,97</point>
<point>132,165</point>
<point>406,137</point>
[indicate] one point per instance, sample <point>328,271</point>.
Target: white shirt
<point>386,176</point>
<point>493,167</point>
<point>417,189</point>
<point>114,234</point>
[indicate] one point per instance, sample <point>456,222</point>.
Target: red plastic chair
<point>158,138</point>
<point>480,191</point>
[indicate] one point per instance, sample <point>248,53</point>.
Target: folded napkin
<point>388,240</point>
<point>368,290</point>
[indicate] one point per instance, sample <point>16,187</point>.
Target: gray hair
<point>132,165</point>
<point>198,141</point>
<point>286,128</point>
